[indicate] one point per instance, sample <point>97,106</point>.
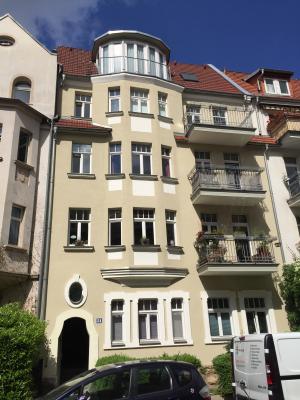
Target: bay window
<point>139,100</point>
<point>115,158</point>
<point>143,224</point>
<point>79,227</point>
<point>114,100</point>
<point>141,158</point>
<point>114,228</point>
<point>162,104</point>
<point>171,227</point>
<point>166,161</point>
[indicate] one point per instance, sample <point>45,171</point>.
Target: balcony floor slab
<point>241,269</point>
<point>227,197</point>
<point>220,135</point>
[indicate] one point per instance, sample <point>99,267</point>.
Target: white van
<point>266,366</point>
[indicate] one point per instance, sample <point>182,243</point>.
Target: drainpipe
<point>266,158</point>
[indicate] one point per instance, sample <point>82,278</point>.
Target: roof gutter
<point>229,80</point>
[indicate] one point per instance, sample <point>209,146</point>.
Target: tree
<point>290,292</point>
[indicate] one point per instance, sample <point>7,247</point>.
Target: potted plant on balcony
<point>79,243</point>
<point>263,250</point>
<point>144,241</point>
<point>210,247</point>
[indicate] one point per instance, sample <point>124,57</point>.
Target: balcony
<point>220,255</point>
<point>285,127</point>
<point>220,126</point>
<point>293,185</point>
<point>226,185</point>
<point>133,65</point>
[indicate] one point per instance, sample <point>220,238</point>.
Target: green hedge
<point>222,367</point>
<point>22,336</point>
<point>115,358</point>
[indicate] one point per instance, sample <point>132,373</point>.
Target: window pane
<point>23,95</point>
<point>153,327</point>
<point>87,110</point>
<point>137,232</point>
<point>149,380</point>
<point>14,232</point>
<point>213,324</point>
<point>170,234</point>
<point>142,326</point>
<point>76,163</point>
<point>270,86</point>
<point>85,232</point>
<point>177,325</point>
<point>116,327</point>
<point>130,57</point>
<point>115,167</point>
<point>134,105</point>
<point>140,54</point>
<point>226,323</point>
<point>16,212</point>
<point>86,163</point>
<point>136,164</point>
<point>73,233</point>
<point>147,165</point>
<point>114,104</point>
<point>283,87</point>
<point>115,233</point>
<point>251,321</point>
<point>144,106</point>
<point>166,167</point>
<point>149,232</point>
<point>262,321</point>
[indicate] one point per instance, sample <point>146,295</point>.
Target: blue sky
<point>235,34</point>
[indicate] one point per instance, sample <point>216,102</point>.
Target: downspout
<point>266,158</point>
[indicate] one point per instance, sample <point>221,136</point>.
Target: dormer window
<point>277,86</point>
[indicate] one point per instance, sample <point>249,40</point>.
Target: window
<point>83,106</point>
<point>114,228</point>
<point>140,59</point>
<point>162,104</point>
<point>298,223</point>
<point>6,41</point>
<point>193,114</point>
<point>0,132</point>
<point>256,315</point>
<point>115,158</point>
<point>219,316</point>
<point>277,86</point>
<point>79,227</point>
<point>202,159</point>
<point>166,161</point>
<point>152,67</point>
<point>161,65</point>
<point>171,227</point>
<point>152,379</point>
<point>114,100</point>
<point>81,158</point>
<point>76,293</point>
<point>21,91</point>
<point>117,321</point>
<point>17,214</point>
<point>113,387</point>
<point>177,318</point>
<point>143,224</point>
<point>139,100</point>
<point>148,319</point>
<point>219,116</point>
<point>23,147</point>
<point>291,166</point>
<point>209,223</point>
<point>141,159</point>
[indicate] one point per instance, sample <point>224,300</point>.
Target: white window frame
<point>162,99</point>
<point>22,86</point>
<point>79,222</point>
<point>114,97</point>
<point>76,278</point>
<point>219,311</point>
<point>208,222</point>
<point>112,220</point>
<point>130,318</point>
<point>139,95</point>
<point>118,312</point>
<point>80,155</point>
<point>115,152</point>
<point>270,314</point>
<point>178,310</point>
<point>166,155</point>
<point>171,221</point>
<point>148,313</point>
<point>224,118</point>
<point>234,319</point>
<point>276,86</point>
<point>80,99</point>
<point>143,219</point>
<point>193,114</point>
<point>19,220</point>
<point>142,149</point>
<point>202,159</point>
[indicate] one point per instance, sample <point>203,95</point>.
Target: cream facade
<point>163,228</point>
<point>27,97</point>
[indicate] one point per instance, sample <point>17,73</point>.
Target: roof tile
<point>76,61</point>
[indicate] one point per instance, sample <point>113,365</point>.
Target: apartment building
<point>163,232</point>
<point>277,96</point>
<point>27,97</point>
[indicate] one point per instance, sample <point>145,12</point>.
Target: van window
<point>289,354</point>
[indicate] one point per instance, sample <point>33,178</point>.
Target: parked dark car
<point>135,380</point>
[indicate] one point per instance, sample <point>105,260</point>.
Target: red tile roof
<point>79,124</point>
<point>76,61</point>
<point>209,80</point>
<point>263,140</point>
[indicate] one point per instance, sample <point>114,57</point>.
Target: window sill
<point>117,344</point>
<point>221,339</point>
<point>23,165</point>
<point>175,249</point>
<point>78,249</point>
<point>112,249</point>
<point>149,342</point>
<point>146,247</point>
<point>12,247</point>
<point>178,341</point>
<point>165,119</point>
<point>168,179</point>
<point>143,177</point>
<point>72,175</point>
<point>140,114</point>
<point>82,118</point>
<point>114,114</point>
<point>114,176</point>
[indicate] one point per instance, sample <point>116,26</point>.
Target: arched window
<point>21,90</point>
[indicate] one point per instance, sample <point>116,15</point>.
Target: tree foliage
<point>22,337</point>
<point>290,292</point>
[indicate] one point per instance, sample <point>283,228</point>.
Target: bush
<point>22,337</point>
<point>222,367</point>
<point>290,292</point>
<point>115,358</point>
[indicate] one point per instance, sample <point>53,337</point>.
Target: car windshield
<point>55,393</point>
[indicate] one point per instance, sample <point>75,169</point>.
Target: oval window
<point>6,41</point>
<point>75,293</point>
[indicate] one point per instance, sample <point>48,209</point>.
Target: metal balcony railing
<point>236,250</point>
<point>218,117</point>
<point>226,178</point>
<point>293,185</point>
<point>142,66</point>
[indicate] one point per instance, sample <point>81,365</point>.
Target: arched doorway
<point>74,348</point>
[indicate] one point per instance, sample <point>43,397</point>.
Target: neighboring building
<point>278,103</point>
<point>27,97</point>
<point>151,157</point>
